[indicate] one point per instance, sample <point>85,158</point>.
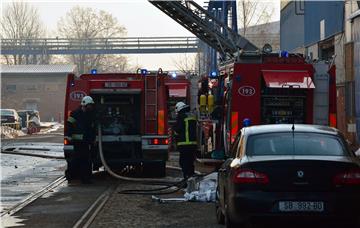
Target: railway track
<point>88,217</point>
<point>32,197</point>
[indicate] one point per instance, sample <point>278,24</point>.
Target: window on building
<point>31,106</point>
<point>51,87</point>
<point>11,88</point>
<point>322,29</point>
<point>350,98</point>
<point>31,87</point>
<point>358,2</point>
<point>326,49</point>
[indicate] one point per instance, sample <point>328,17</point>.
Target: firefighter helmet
<point>180,106</point>
<point>87,100</point>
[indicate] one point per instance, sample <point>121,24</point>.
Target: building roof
<point>58,68</point>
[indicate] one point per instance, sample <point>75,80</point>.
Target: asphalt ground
<point>62,206</point>
<point>24,175</point>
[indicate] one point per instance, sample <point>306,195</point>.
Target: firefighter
<point>80,132</point>
<point>185,132</point>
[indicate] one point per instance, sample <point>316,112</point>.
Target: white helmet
<point>87,100</point>
<point>179,106</point>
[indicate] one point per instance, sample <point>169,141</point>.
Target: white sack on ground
<point>203,190</point>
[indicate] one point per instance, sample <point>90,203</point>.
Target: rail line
<point>32,197</point>
<point>88,217</point>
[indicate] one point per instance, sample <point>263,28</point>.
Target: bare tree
<point>86,23</point>
<point>21,21</point>
<point>114,63</point>
<point>253,12</point>
<point>185,63</point>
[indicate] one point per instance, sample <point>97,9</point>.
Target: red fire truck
<point>253,84</point>
<point>132,111</point>
<point>266,89</point>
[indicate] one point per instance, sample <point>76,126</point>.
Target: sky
<point>140,18</point>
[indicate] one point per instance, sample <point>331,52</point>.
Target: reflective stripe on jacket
<point>187,131</point>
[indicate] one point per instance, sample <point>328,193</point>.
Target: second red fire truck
<point>264,89</point>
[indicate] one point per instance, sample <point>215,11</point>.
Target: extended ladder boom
<point>205,26</point>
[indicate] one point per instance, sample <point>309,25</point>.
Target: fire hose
<point>121,177</point>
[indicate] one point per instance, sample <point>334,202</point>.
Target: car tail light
<point>351,177</point>
<point>246,176</point>
<point>156,141</point>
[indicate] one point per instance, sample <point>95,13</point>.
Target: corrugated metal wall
<point>291,27</point>
<point>315,11</point>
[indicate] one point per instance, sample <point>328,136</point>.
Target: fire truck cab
<point>132,112</point>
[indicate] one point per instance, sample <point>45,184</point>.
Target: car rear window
<point>6,113</point>
<point>295,144</point>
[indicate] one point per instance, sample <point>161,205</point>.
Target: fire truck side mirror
<point>71,79</point>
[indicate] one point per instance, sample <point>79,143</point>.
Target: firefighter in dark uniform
<point>80,132</point>
<point>185,132</point>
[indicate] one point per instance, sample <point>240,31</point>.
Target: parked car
<point>277,171</point>
<point>11,118</point>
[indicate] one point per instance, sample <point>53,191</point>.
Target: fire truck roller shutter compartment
<point>120,116</point>
<point>286,97</point>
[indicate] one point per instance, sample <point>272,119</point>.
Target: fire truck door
<point>321,94</point>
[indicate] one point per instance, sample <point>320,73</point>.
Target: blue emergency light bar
<point>143,72</point>
<point>284,54</point>
<point>93,71</point>
<point>213,74</point>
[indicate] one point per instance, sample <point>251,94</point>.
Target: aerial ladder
<point>206,27</point>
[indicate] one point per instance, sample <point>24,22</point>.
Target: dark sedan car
<point>10,118</point>
<point>286,171</point>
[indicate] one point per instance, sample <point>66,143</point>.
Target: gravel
<point>140,211</point>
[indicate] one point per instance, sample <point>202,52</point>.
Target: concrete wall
<point>291,28</point>
<point>312,51</point>
<point>46,92</point>
<point>332,12</point>
<point>339,42</point>
<point>356,38</point>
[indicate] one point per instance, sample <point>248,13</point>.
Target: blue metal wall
<point>330,11</point>
<point>291,27</point>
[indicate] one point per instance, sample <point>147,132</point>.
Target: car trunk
<point>301,173</point>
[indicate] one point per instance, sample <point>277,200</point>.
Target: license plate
<point>302,206</point>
